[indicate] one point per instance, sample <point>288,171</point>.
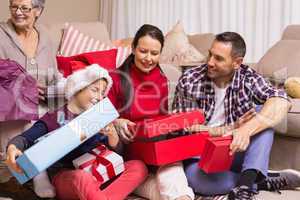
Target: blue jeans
<point>255,157</point>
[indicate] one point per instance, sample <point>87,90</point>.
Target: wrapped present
<point>63,140</point>
<point>102,163</point>
<point>165,124</point>
<point>216,157</point>
<point>168,150</point>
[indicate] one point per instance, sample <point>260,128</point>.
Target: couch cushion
<point>292,32</point>
<point>202,42</point>
<point>282,60</point>
<point>97,30</point>
<point>106,59</point>
<point>177,49</point>
<point>76,42</point>
<point>292,87</point>
<point>173,73</point>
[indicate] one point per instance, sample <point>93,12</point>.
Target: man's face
<point>221,64</point>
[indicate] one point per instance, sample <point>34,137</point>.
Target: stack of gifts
<point>102,163</point>
<point>68,137</point>
<point>215,156</point>
<point>167,150</point>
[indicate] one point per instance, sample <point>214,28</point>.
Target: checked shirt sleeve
<point>183,99</point>
<point>262,89</point>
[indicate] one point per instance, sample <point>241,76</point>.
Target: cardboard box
<point>215,157</point>
<point>63,140</point>
<point>102,163</point>
<point>169,150</point>
<point>165,124</point>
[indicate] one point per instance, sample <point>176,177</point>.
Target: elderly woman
<point>27,43</point>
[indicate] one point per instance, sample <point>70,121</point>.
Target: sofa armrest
<point>290,126</point>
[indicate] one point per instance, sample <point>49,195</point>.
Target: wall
<point>62,10</point>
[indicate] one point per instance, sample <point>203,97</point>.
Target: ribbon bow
<point>100,159</point>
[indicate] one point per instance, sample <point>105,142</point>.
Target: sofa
<point>286,144</point>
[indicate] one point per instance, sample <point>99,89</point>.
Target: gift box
<point>168,150</point>
<point>165,124</point>
<point>60,142</point>
<point>102,163</point>
<point>216,157</point>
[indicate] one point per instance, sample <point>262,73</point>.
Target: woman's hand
<point>12,153</point>
<point>42,91</point>
<point>122,129</point>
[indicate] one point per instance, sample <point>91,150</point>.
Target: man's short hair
<point>237,42</point>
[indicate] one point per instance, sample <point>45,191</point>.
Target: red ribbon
<point>100,159</point>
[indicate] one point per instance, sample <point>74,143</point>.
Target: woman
<point>25,42</point>
<point>140,91</point>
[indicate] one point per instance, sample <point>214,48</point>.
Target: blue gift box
<point>60,142</point>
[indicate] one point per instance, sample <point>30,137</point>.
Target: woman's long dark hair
<point>124,69</point>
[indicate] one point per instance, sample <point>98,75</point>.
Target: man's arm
<point>275,108</point>
<point>272,112</point>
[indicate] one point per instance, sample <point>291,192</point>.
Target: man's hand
<point>12,153</point>
<point>240,142</point>
<point>122,129</point>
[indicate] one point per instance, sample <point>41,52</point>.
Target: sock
<point>42,186</point>
<point>248,178</point>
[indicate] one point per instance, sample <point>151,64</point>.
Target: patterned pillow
<point>75,42</point>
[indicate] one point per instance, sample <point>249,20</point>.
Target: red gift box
<point>165,124</point>
<point>169,150</point>
<point>215,157</point>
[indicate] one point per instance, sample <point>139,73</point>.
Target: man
<point>228,92</point>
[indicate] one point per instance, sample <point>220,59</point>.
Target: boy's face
<point>91,94</point>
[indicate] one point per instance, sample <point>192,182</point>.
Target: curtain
<point>260,22</point>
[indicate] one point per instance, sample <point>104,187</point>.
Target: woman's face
<point>91,94</point>
<point>23,14</point>
<point>147,53</point>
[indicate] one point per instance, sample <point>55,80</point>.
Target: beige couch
<point>285,53</point>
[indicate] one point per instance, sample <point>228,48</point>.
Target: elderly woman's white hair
<point>38,3</point>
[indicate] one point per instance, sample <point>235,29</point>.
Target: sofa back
<point>283,59</point>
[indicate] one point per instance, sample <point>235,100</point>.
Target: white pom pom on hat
<point>84,77</point>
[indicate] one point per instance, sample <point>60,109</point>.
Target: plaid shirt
<point>248,88</point>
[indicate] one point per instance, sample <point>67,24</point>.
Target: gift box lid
<point>165,124</point>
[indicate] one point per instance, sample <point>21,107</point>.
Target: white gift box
<point>102,163</point>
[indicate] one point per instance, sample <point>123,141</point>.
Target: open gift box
<point>102,163</point>
<point>63,140</point>
<point>216,157</point>
<point>165,124</point>
<point>168,150</point>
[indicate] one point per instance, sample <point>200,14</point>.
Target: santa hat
<point>84,77</point>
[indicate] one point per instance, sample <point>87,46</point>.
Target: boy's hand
<point>12,153</point>
<point>109,130</point>
<point>123,130</point>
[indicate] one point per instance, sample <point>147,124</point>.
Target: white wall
<point>62,10</point>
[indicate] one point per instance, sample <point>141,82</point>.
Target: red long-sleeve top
<point>150,94</point>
